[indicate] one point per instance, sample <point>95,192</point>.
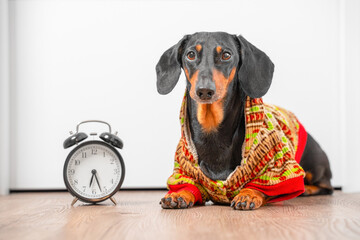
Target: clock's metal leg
<point>113,200</point>
<point>74,201</point>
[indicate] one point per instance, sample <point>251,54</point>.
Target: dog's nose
<point>205,93</point>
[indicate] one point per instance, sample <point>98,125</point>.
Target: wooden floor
<point>138,215</point>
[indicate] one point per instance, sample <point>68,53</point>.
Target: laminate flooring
<point>138,215</point>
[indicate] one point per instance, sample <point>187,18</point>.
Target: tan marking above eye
<point>218,49</point>
<point>198,47</point>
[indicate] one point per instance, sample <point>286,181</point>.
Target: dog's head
<point>215,64</point>
<point>211,62</point>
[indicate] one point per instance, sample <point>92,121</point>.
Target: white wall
<point>351,75</point>
<point>78,60</point>
<point>4,99</point>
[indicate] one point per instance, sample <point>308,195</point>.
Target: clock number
<point>75,182</point>
<point>116,171</point>
<point>72,171</point>
<point>105,189</point>
<point>112,161</point>
<point>77,162</point>
<point>83,154</point>
<point>94,151</point>
<point>84,188</point>
<point>93,191</point>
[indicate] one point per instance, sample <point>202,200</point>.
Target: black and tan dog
<point>222,70</point>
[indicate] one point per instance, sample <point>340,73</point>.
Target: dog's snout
<point>205,87</point>
<point>205,93</point>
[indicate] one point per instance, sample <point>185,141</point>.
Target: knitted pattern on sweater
<point>268,155</point>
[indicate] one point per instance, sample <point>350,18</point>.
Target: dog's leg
<point>320,188</point>
<point>248,199</point>
<point>311,190</point>
<point>316,165</point>
<point>180,199</point>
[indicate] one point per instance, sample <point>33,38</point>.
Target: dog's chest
<point>218,159</point>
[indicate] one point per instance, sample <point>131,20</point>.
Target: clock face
<point>94,171</point>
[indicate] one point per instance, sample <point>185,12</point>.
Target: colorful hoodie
<point>271,152</point>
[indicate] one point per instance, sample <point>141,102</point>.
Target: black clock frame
<point>94,200</point>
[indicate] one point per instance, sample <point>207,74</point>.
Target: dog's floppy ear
<point>256,71</point>
<point>168,69</point>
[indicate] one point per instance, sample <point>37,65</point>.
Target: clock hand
<point>92,177</point>
<point>97,182</point>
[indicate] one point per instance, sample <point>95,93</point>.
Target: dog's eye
<point>191,55</point>
<point>226,56</point>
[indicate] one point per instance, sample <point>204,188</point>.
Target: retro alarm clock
<point>94,170</point>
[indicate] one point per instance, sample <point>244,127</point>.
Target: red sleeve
<point>283,191</point>
<point>188,187</point>
<point>302,139</point>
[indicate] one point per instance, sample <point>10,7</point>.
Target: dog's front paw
<point>181,199</point>
<point>248,199</point>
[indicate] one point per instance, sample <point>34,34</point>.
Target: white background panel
<point>78,60</point>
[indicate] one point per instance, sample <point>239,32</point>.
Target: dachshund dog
<point>222,71</point>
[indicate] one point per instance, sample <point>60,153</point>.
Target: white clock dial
<point>93,171</point>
